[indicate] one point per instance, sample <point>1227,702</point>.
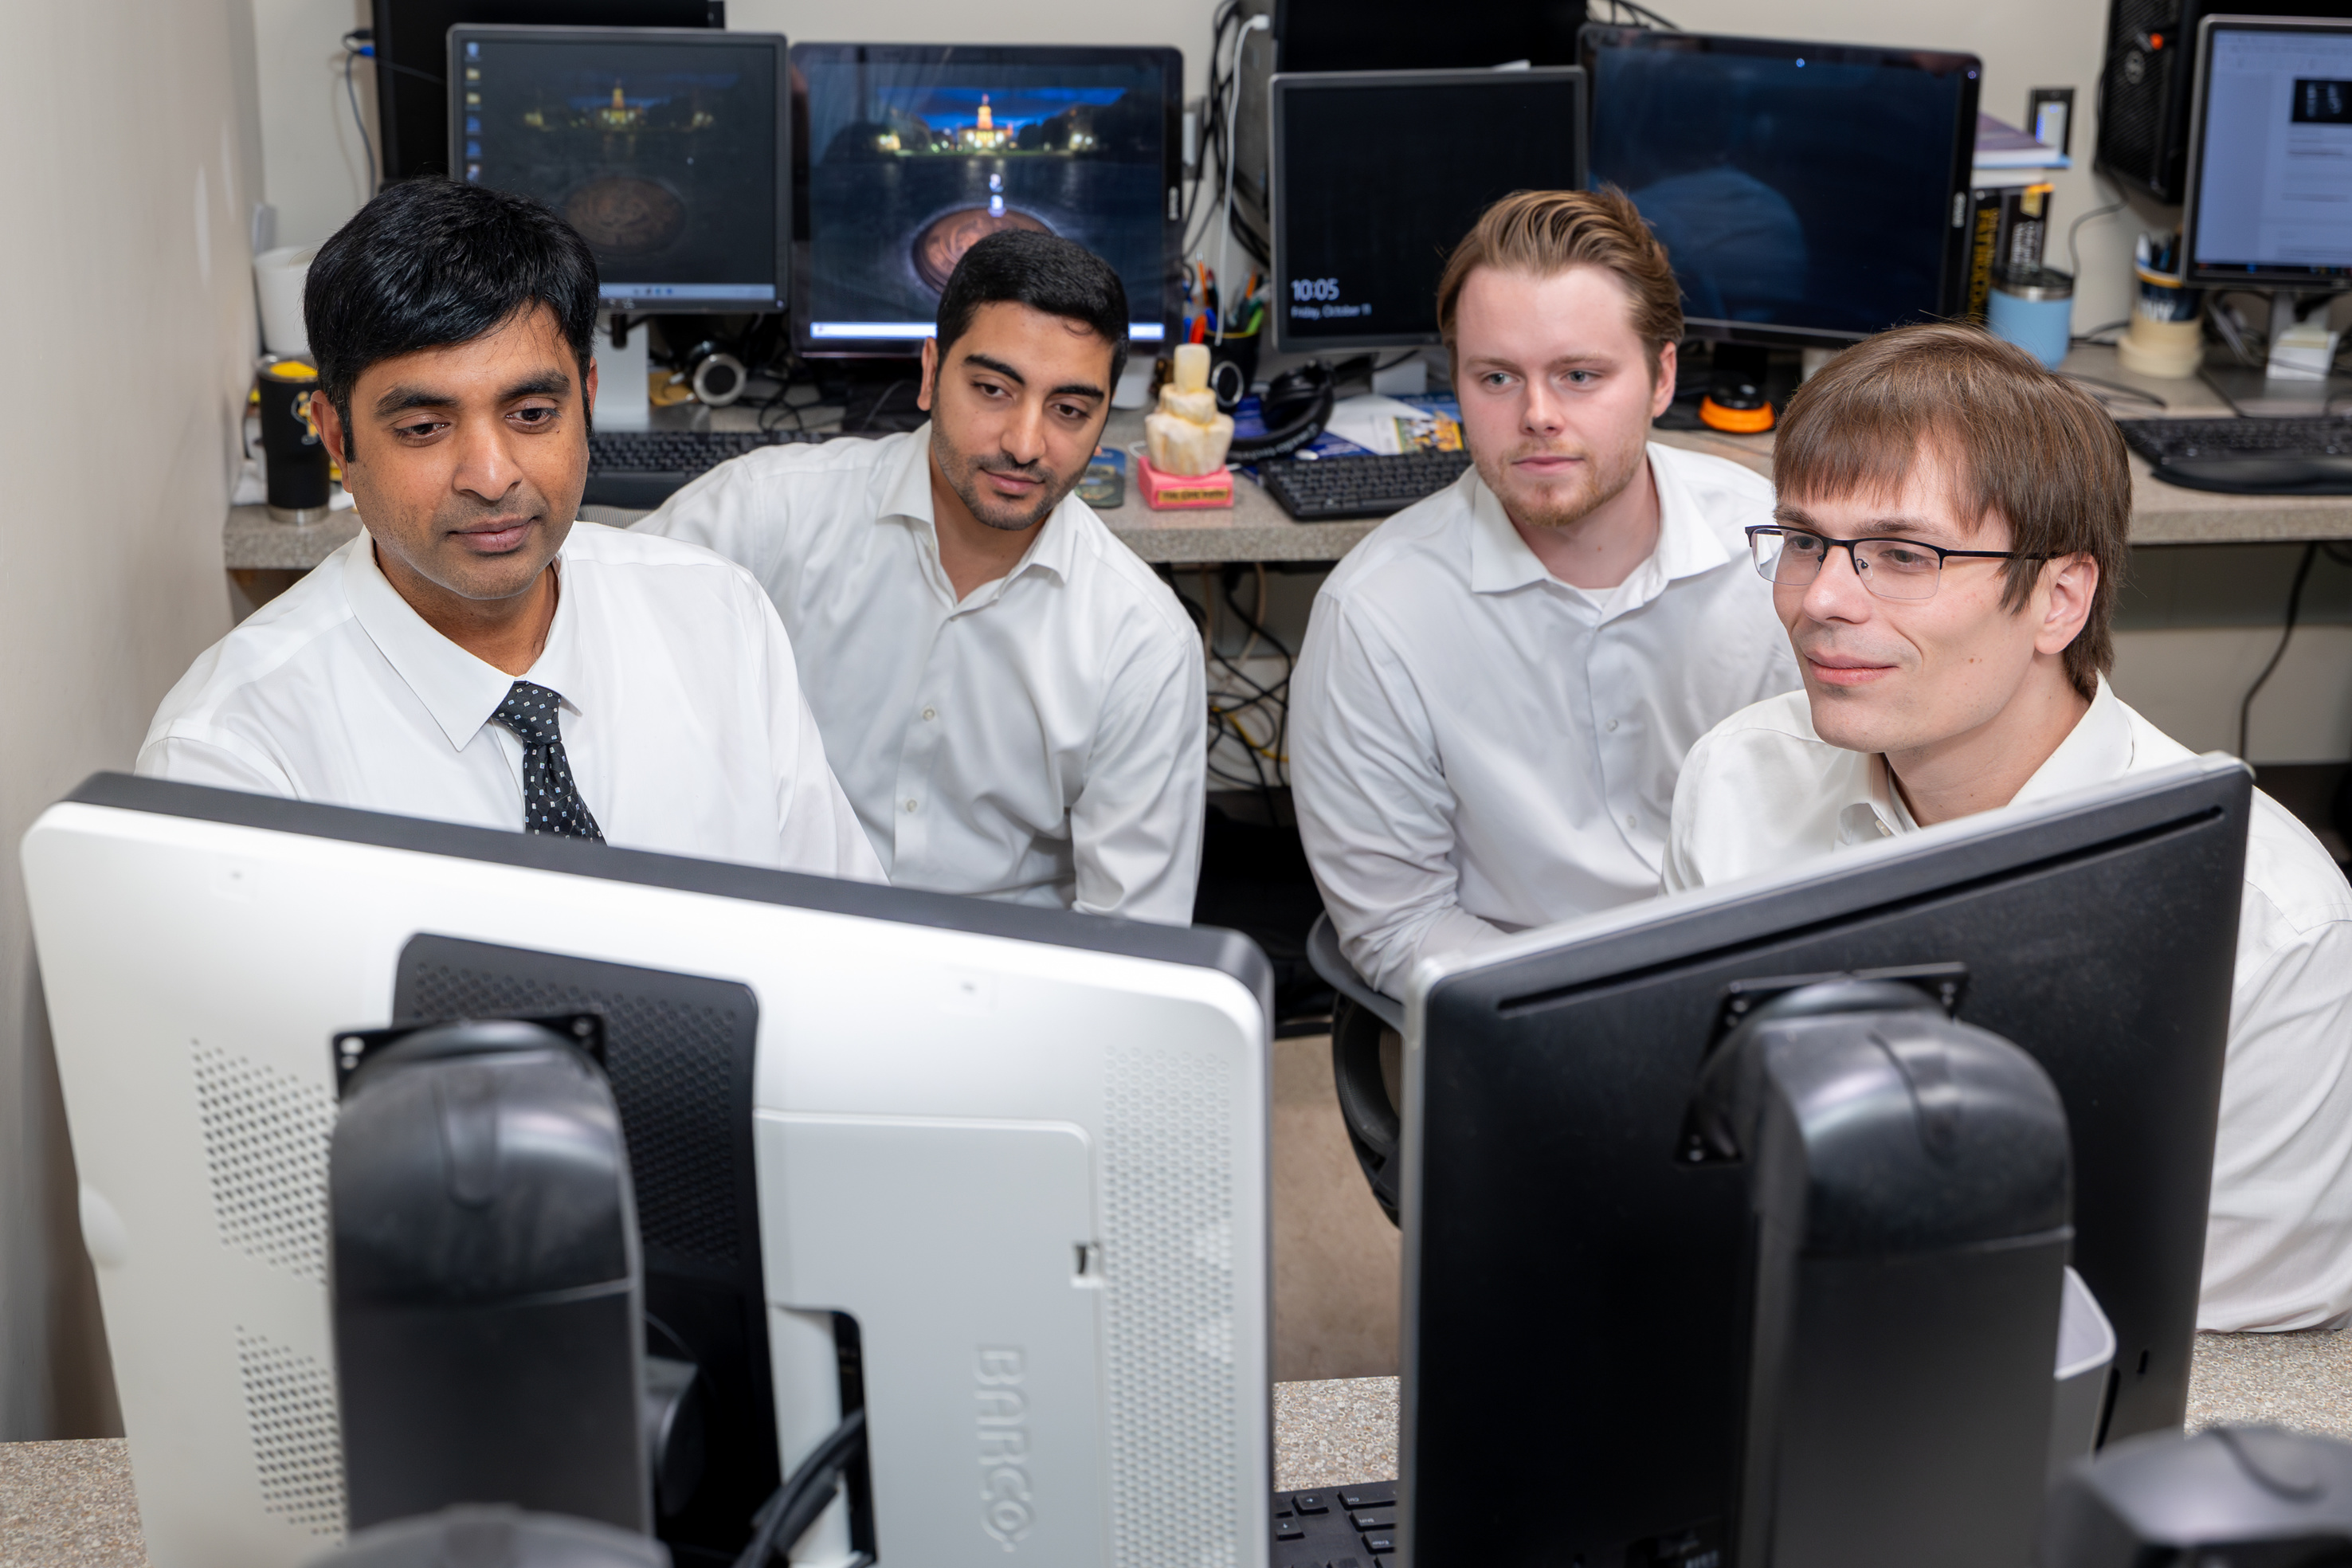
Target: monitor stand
<point>622,365</point>
<point>2266,393</point>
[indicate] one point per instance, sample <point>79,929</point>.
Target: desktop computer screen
<point>1549,1200</point>
<point>909,153</point>
<point>2270,164</point>
<point>1808,193</point>
<point>1378,174</point>
<point>666,149</point>
<point>412,50</point>
<point>1396,35</point>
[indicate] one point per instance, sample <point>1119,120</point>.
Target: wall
<point>316,170</point>
<point>133,338</point>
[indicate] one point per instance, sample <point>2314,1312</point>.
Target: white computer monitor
<point>2270,154</point>
<point>1023,1152</point>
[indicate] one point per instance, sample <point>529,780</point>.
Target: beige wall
<point>314,169</point>
<point>128,271</point>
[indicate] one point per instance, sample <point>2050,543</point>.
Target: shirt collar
<point>2099,748</point>
<point>1500,560</point>
<point>907,494</point>
<point>459,691</point>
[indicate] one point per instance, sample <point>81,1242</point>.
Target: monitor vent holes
<point>266,1141</point>
<point>297,1449</point>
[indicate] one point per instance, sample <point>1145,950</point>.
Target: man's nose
<point>484,467</point>
<point>1838,592</point>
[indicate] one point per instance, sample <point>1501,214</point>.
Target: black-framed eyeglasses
<point>1890,568</point>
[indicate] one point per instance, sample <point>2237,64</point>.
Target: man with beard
<point>1015,703</point>
<point>1498,686</point>
<point>476,655</point>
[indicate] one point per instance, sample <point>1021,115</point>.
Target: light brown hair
<point>2014,440</point>
<point>1546,232</point>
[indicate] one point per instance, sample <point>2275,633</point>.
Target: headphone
<point>1295,408</point>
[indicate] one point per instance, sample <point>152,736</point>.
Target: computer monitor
<point>1808,195</point>
<point>2270,154</point>
<point>1378,174</point>
<point>1554,1228</point>
<point>1397,35</point>
<point>412,50</point>
<point>1021,1154</point>
<point>667,150</point>
<point>907,154</point>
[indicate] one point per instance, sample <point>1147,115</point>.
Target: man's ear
<point>2072,582</point>
<point>588,391</point>
<point>331,429</point>
<point>930,375</point>
<point>1662,394</point>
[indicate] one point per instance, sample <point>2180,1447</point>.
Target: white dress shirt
<point>1763,791</point>
<point>681,717</point>
<point>1042,741</point>
<point>1478,747</point>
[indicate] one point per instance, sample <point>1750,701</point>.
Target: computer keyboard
<point>2247,457</point>
<point>645,468</point>
<point>1314,489</point>
<point>1336,1527</point>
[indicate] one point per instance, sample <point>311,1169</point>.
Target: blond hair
<point>1546,232</point>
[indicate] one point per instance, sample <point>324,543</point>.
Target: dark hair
<point>1044,272</point>
<point>2013,439</point>
<point>432,262</point>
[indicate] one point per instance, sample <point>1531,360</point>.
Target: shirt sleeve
<point>1374,807</point>
<point>2278,1248</point>
<point>725,512</point>
<point>1135,827</point>
<point>816,828</point>
<point>223,766</point>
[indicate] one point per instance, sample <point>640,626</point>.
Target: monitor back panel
<point>1572,1322</point>
<point>196,971</point>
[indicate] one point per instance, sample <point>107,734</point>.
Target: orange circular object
<point>1736,421</point>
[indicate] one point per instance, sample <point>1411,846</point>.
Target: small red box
<point>1169,492</point>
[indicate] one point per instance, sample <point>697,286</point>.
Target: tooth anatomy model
<point>1188,436</point>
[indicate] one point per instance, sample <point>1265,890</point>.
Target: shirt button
<point>1629,816</point>
<point>931,713</point>
<point>911,803</point>
<point>1613,726</point>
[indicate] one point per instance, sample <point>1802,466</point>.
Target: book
<point>2001,145</point>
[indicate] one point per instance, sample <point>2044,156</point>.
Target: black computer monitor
<point>668,149</point>
<point>2270,154</point>
<point>1397,35</point>
<point>411,51</point>
<point>910,153</point>
<point>1808,195</point>
<point>1572,1326</point>
<point>1378,174</point>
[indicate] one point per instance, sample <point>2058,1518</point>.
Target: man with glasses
<point>1952,524</point>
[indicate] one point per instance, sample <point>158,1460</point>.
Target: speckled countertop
<point>66,1504</point>
<point>1256,529</point>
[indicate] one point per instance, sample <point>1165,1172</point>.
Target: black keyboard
<point>1314,489</point>
<point>645,468</point>
<point>1338,1527</point>
<point>2247,457</point>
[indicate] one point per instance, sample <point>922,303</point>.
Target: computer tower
<point>2147,83</point>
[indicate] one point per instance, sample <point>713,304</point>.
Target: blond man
<point>1952,524</point>
<point>1498,686</point>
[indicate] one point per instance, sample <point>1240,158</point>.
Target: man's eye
<point>535,415</point>
<point>1902,558</point>
<point>1582,377</point>
<point>1805,545</point>
<point>989,389</point>
<point>416,432</point>
<point>1497,378</point>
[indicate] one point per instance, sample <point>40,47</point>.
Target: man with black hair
<point>1014,703</point>
<point>476,655</point>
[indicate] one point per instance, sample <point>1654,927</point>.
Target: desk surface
<point>70,1503</point>
<point>1256,529</point>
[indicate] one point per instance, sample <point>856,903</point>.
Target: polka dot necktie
<point>550,801</point>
